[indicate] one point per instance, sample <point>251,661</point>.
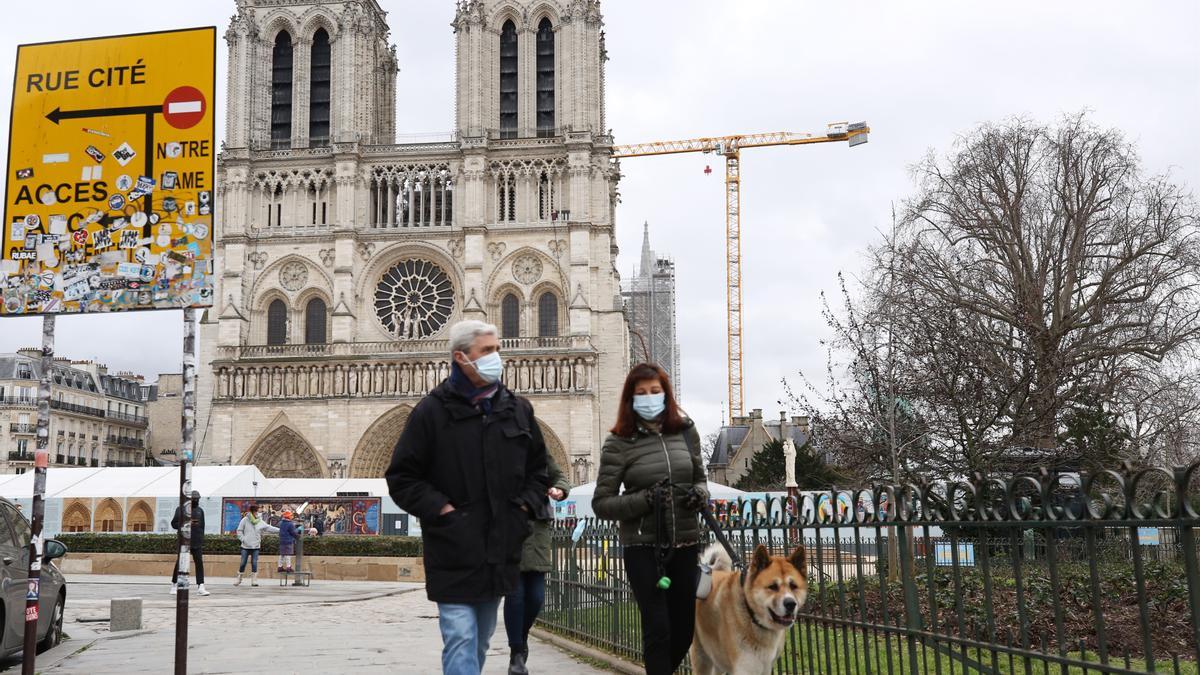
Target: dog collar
<point>747,602</point>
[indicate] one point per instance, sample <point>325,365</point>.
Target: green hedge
<point>347,545</point>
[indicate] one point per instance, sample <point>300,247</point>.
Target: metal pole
<point>41,463</point>
<point>185,489</point>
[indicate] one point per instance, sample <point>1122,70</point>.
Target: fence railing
<point>1054,574</point>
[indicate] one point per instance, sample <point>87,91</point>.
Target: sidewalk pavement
<point>328,627</point>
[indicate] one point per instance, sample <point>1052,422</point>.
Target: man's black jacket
<point>197,525</point>
<point>487,465</point>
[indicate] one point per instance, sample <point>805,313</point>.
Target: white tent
<point>578,503</point>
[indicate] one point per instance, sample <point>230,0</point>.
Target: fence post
<point>912,607</point>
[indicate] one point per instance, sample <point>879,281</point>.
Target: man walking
<point>471,464</point>
<point>197,542</point>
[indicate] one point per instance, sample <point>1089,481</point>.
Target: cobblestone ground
<point>330,627</point>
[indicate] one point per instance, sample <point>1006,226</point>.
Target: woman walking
<point>654,451</point>
<point>249,532</point>
<point>522,606</point>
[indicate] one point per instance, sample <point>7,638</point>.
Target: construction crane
<point>730,147</point>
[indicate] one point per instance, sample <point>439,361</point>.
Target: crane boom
<point>730,147</point>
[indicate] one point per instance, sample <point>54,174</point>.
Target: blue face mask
<point>489,367</point>
<point>649,406</point>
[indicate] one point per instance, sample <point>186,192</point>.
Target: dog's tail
<point>717,558</point>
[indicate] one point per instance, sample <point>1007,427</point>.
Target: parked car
<point>14,581</point>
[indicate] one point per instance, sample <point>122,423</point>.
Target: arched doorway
<point>374,451</point>
<point>284,453</point>
<point>108,516</point>
<point>77,518</point>
<point>141,517</point>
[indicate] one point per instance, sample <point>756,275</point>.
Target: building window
<point>545,79</point>
<point>318,107</point>
<point>314,322</point>
<point>547,315</point>
<point>510,316</point>
<point>546,207</point>
<point>507,195</point>
<point>508,80</point>
<point>276,323</point>
<point>281,91</point>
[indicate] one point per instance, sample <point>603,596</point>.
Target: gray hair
<point>463,334</point>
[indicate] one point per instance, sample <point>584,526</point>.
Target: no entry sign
<point>184,107</point>
<point>109,198</point>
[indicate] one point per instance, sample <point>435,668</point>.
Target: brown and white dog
<point>742,624</point>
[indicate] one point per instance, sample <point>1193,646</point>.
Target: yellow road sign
<point>109,199</point>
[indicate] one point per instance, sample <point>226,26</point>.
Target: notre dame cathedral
<point>344,257</point>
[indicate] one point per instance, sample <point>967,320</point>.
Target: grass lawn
<point>815,648</point>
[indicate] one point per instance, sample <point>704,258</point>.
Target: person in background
<point>196,544</point>
<point>288,533</point>
<point>654,451</point>
<point>249,533</point>
<point>471,464</point>
<point>522,606</point>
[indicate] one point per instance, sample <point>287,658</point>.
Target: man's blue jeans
<point>466,631</point>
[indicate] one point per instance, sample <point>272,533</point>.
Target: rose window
<point>414,299</point>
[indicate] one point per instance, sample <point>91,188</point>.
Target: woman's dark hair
<point>253,508</point>
<point>672,420</point>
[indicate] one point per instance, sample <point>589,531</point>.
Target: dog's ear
<point>798,559</point>
<point>761,559</point>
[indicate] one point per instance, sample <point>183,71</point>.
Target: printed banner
<point>332,515</point>
<point>109,198</point>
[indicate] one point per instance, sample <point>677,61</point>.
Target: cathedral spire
<point>647,255</point>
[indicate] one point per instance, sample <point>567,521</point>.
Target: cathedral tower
<point>344,257</point>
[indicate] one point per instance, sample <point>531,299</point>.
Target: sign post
<point>41,461</point>
<point>109,207</point>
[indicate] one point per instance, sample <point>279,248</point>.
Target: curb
<point>616,663</point>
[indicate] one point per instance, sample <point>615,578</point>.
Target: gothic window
<point>546,205</point>
<point>281,91</point>
<point>414,299</point>
<point>318,106</point>
<point>276,323</point>
<point>314,322</point>
<point>508,80</point>
<point>545,79</point>
<point>547,315</point>
<point>507,196</point>
<point>510,316</point>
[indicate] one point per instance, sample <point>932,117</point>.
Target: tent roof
<point>323,487</point>
<point>134,482</point>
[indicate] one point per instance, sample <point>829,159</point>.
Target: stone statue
<point>789,462</point>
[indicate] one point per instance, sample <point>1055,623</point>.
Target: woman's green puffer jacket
<point>639,463</point>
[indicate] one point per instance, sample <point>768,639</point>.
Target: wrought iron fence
<point>1061,573</point>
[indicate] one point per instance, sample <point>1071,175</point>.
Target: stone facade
<point>344,260</point>
<point>164,407</point>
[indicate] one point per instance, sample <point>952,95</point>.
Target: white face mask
<point>490,367</point>
<point>649,406</point>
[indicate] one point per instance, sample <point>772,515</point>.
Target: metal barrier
<point>1061,573</point>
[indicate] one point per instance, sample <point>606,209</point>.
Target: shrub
<point>343,545</point>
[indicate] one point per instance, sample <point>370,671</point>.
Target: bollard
<point>125,614</point>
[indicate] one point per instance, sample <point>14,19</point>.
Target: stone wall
<point>333,568</point>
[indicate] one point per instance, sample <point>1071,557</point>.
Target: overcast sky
<point>919,72</point>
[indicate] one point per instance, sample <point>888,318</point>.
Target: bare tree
<point>1056,260</point>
